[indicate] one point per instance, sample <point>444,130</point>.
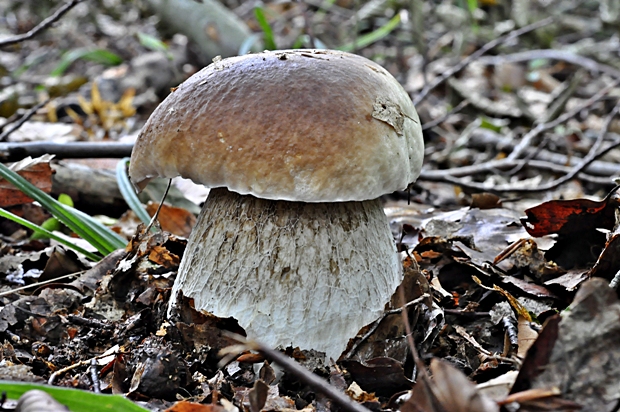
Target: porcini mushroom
<point>298,145</point>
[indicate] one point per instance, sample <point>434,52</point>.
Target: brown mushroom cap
<point>300,125</point>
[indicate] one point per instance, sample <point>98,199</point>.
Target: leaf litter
<point>488,298</point>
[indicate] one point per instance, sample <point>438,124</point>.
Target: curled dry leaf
<point>577,223</point>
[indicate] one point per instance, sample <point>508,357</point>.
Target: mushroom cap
<point>298,125</point>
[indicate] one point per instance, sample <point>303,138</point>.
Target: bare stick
<point>41,26</point>
<point>93,376</point>
<point>553,54</point>
<point>376,323</point>
<point>76,365</point>
<point>10,152</point>
<point>11,128</point>
<point>44,282</point>
<point>451,175</point>
<point>467,60</point>
<point>298,371</point>
<point>528,137</point>
<point>161,203</point>
<point>592,155</point>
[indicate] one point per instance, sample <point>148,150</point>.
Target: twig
<point>8,292</point>
<point>419,365</point>
<point>483,139</point>
<point>156,214</point>
<point>466,314</point>
<point>377,322</point>
<point>76,365</point>
<point>589,158</point>
<point>529,136</point>
<point>552,54</point>
<point>10,152</point>
<point>467,60</point>
<point>22,120</point>
<point>92,369</point>
<point>299,372</point>
<point>91,323</point>
<point>504,164</point>
<point>41,26</point>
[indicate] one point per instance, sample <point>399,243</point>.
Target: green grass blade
<point>368,39</point>
<point>48,234</point>
<point>128,192</point>
<point>102,238</point>
<point>74,399</point>
<point>102,56</point>
<point>103,232</point>
<point>268,39</point>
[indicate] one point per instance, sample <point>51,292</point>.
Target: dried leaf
<point>565,217</point>
<point>186,406</point>
<point>172,219</point>
<point>36,171</point>
<point>258,396</point>
<point>455,392</point>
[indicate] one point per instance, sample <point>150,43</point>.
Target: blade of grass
<point>376,35</point>
<point>74,399</point>
<point>48,234</point>
<point>102,56</point>
<point>102,238</point>
<point>128,192</point>
<point>268,39</point>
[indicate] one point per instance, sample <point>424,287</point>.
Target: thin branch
<point>553,54</point>
<point>484,139</point>
<point>592,155</point>
<point>377,322</point>
<point>41,26</point>
<point>31,112</point>
<point>10,152</point>
<point>542,127</point>
<point>44,282</point>
<point>76,365</point>
<point>472,57</point>
<point>302,374</point>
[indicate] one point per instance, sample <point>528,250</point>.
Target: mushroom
<point>298,145</point>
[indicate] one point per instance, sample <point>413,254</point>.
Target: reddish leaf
<point>186,406</point>
<point>569,216</point>
<point>36,171</point>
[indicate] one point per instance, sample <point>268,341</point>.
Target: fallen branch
<point>592,155</point>
<point>542,127</point>
<point>552,54</point>
<point>483,138</point>
<point>8,129</point>
<point>10,152</point>
<point>41,26</point>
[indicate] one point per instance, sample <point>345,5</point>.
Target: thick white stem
<point>300,274</point>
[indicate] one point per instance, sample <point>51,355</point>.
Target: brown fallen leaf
<point>448,391</point>
<point>175,220</point>
<point>36,171</point>
<point>186,406</point>
<point>579,352</point>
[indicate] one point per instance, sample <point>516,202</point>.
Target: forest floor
<point>508,237</point>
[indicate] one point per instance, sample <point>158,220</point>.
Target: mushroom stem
<point>291,273</point>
